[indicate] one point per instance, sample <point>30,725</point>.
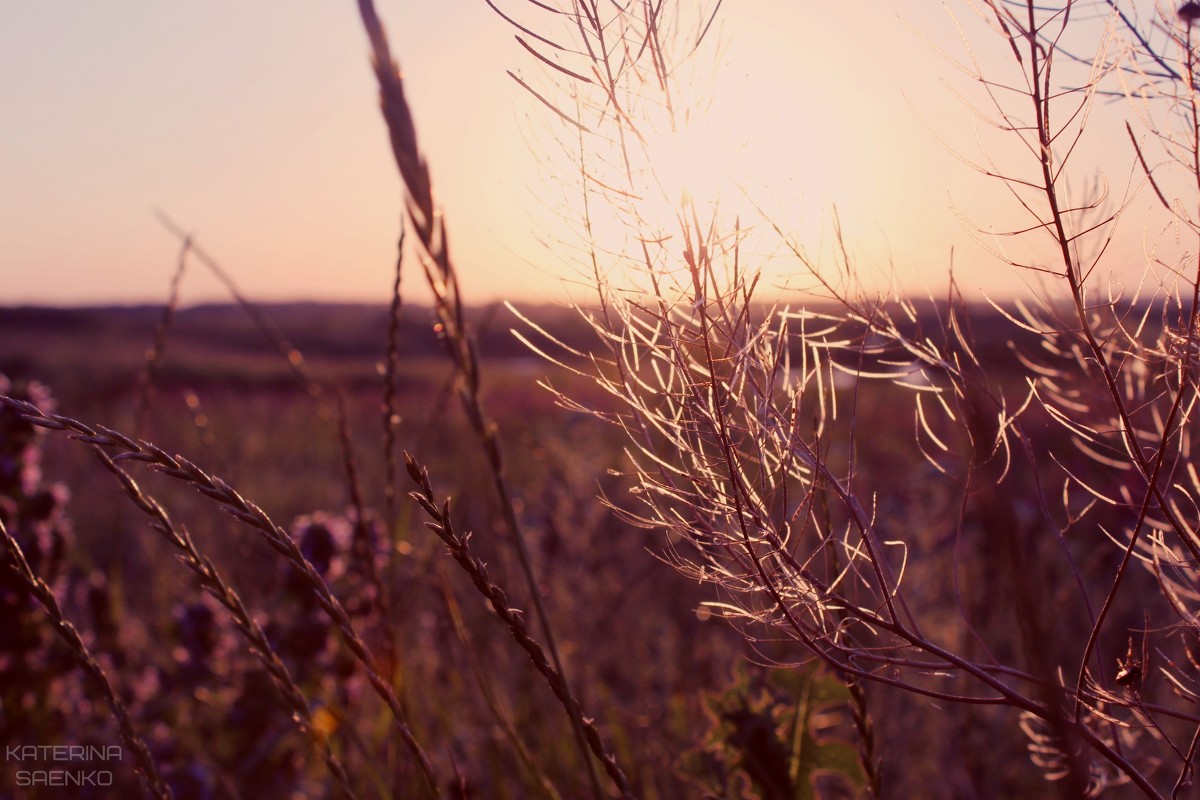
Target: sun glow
<point>738,149</point>
<point>696,162</point>
<point>787,145</point>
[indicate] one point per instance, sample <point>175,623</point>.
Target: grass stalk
<point>147,770</point>
<point>148,379</point>
<point>277,538</point>
<point>214,584</point>
<point>460,346</point>
<point>545,786</point>
<point>459,545</point>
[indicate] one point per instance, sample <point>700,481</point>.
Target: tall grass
<point>1012,571</point>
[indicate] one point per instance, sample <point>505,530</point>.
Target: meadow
<point>689,539</point>
<point>225,394</point>
<point>687,703</point>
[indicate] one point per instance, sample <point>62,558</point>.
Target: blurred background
<point>257,130</point>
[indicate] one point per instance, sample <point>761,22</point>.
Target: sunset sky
<point>256,127</point>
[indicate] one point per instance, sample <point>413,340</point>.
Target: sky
<point>255,127</point>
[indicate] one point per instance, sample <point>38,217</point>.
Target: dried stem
<point>459,343</point>
<point>277,538</point>
<point>152,782</point>
<point>214,584</point>
<point>459,546</point>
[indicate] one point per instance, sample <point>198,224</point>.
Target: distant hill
<point>316,329</point>
<point>104,348</point>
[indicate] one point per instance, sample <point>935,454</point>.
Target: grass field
<point>692,539</point>
<point>655,665</point>
<point>226,398</point>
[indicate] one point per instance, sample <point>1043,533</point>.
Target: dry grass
<point>895,523</point>
<point>147,770</point>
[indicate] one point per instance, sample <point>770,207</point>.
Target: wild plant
<point>743,424</point>
<point>442,279</point>
<point>1026,561</point>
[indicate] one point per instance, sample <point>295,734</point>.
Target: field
<point>632,630</point>
<point>684,699</point>
<point>225,396</point>
<point>692,538</point>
